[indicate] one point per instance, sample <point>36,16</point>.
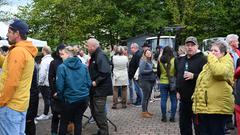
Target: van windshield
<point>163,42</point>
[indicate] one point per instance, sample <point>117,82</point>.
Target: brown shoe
<point>151,114</point>
<point>70,128</point>
<point>146,115</point>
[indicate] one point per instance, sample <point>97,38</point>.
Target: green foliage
<point>110,21</point>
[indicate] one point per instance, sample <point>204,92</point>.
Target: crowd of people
<point>206,85</point>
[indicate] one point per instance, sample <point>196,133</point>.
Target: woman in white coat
<point>120,77</point>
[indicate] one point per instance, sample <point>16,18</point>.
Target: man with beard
<point>15,80</point>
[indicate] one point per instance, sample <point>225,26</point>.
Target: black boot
<point>164,118</point>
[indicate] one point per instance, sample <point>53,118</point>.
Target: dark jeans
<point>97,106</point>
<point>138,92</point>
<point>55,122</point>
<point>165,92</point>
<point>45,91</point>
<point>32,111</point>
<point>30,127</point>
<point>147,87</point>
<point>186,118</point>
<point>73,111</point>
<point>130,91</point>
<point>211,124</point>
<point>56,107</point>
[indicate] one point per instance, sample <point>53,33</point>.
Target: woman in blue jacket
<point>73,84</point>
<point>147,80</point>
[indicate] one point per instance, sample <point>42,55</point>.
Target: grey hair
<point>222,45</point>
<point>95,41</point>
<point>47,49</point>
<point>231,37</point>
<point>135,45</point>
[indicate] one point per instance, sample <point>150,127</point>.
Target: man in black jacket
<point>187,71</point>
<point>55,103</point>
<point>133,65</point>
<point>100,73</point>
<point>30,128</point>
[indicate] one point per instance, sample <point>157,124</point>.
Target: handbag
<point>171,79</point>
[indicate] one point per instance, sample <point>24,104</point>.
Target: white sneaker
<point>42,117</point>
<point>35,121</point>
<point>50,115</point>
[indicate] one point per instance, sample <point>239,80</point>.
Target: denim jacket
<point>146,70</point>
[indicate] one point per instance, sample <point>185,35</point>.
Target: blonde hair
<point>181,50</point>
<point>71,50</point>
<point>120,50</point>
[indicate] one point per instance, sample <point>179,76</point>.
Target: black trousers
<point>55,122</point>
<point>56,107</point>
<point>73,111</point>
<point>45,91</point>
<point>211,124</point>
<point>97,106</point>
<point>30,127</point>
<point>186,118</point>
<point>32,111</point>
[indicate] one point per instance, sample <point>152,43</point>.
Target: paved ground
<point>128,122</point>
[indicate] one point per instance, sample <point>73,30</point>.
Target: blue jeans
<point>130,91</point>
<point>165,91</point>
<point>12,122</point>
<point>138,92</point>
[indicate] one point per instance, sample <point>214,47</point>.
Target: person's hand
<point>188,75</point>
<point>55,95</point>
<point>94,84</point>
<point>178,96</point>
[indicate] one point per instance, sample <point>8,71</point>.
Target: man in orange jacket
<point>15,80</point>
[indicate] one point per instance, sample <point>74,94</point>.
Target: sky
<point>14,4</point>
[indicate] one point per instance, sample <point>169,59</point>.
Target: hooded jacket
<point>73,81</point>
<point>213,92</point>
<point>16,77</point>
<point>195,65</point>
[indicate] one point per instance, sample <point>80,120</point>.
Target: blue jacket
<point>73,81</point>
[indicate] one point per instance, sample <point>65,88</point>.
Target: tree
<point>4,15</point>
<point>110,21</point>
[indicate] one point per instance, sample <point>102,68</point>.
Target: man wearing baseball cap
<point>15,80</point>
<point>187,70</point>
